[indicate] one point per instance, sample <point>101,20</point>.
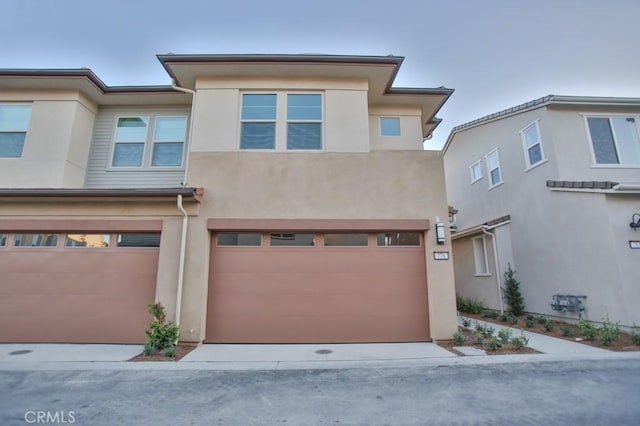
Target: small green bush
<point>491,344</point>
<point>548,325</point>
<point>469,306</point>
<point>588,330</point>
<point>488,331</point>
<point>511,318</point>
<point>149,349</point>
<point>530,317</point>
<point>170,352</point>
<point>609,332</point>
<point>512,293</point>
<point>635,334</point>
<point>479,327</point>
<point>529,322</point>
<point>541,319</point>
<point>160,334</point>
<point>567,331</point>
<point>519,342</point>
<point>504,334</point>
<point>458,338</point>
<point>466,323</point>
<point>490,314</point>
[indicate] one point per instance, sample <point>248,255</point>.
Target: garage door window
<point>346,239</point>
<point>36,240</point>
<point>138,240</point>
<point>88,240</point>
<point>3,240</point>
<point>398,239</point>
<point>239,239</point>
<point>283,239</point>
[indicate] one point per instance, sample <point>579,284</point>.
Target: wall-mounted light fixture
<point>635,221</point>
<point>440,235</point>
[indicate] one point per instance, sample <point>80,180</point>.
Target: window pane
<point>170,128</point>
<point>259,107</point>
<point>239,239</point>
<point>531,136</point>
<point>167,154</point>
<point>390,126</point>
<point>304,107</point>
<point>535,154</point>
<point>138,240</point>
<point>14,117</point>
<point>399,239</point>
<point>304,136</point>
<point>627,138</point>
<point>11,144</point>
<point>495,176</point>
<point>258,136</point>
<point>603,146</point>
<point>476,172</point>
<point>492,161</point>
<point>132,129</point>
<point>128,155</point>
<point>3,240</point>
<point>88,240</point>
<point>36,240</point>
<point>346,239</point>
<point>292,239</point>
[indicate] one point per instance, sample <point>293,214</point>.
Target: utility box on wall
<point>567,303</point>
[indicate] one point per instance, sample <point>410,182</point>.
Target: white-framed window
<point>480,256</point>
<point>134,146</point>
<point>14,121</point>
<point>493,168</point>
<point>532,143</point>
<point>389,126</point>
<point>476,171</point>
<point>281,121</point>
<point>614,139</point>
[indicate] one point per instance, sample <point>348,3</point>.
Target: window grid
<point>493,168</point>
<point>168,151</point>
<point>532,143</point>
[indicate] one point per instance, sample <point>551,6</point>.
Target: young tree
<point>512,294</point>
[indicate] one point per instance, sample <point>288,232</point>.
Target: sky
<point>495,53</point>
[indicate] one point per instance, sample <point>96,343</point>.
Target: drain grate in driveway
<point>324,351</point>
<point>21,352</point>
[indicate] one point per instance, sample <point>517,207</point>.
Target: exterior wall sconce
<point>635,221</point>
<point>440,235</point>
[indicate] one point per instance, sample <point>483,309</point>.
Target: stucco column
<point>440,291</point>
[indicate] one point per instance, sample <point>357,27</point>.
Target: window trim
<point>399,126</point>
<point>281,121</point>
<point>154,141</point>
<point>479,164</point>
<point>25,131</point>
<point>594,163</point>
<point>477,273</point>
<point>526,148</point>
<point>486,159</point>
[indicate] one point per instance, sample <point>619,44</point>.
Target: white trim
<point>526,148</point>
<point>154,142</point>
<point>479,164</point>
<point>287,120</point>
<point>486,157</point>
<point>399,126</point>
<point>594,163</point>
<point>538,164</point>
<point>114,141</point>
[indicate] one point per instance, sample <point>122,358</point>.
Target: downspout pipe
<point>185,216</point>
<point>494,242</point>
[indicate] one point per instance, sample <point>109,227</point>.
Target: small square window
<point>14,120</point>
<point>390,126</point>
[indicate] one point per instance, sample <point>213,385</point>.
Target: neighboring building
<point>262,198</point>
<point>550,187</point>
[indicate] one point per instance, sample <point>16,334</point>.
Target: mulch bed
<point>624,343</point>
<point>507,349</point>
<point>181,351</point>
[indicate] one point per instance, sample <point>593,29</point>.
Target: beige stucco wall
<point>410,128</point>
<point>57,141</point>
<point>216,121</point>
<point>318,186</point>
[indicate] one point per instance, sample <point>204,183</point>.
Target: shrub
<point>512,294</point>
<point>567,331</point>
<point>504,334</point>
<point>541,319</point>
<point>490,314</point>
<point>149,349</point>
<point>529,323</point>
<point>519,342</point>
<point>530,317</point>
<point>458,338</point>
<point>469,306</point>
<point>466,323</point>
<point>491,344</point>
<point>170,352</point>
<point>588,330</point>
<point>488,330</point>
<point>548,325</point>
<point>160,334</point>
<point>479,327</point>
<point>511,318</point>
<point>609,332</point>
<point>635,334</point>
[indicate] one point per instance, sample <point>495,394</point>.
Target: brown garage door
<point>317,288</point>
<point>57,288</point>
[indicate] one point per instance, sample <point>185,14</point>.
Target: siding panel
<point>98,173</point>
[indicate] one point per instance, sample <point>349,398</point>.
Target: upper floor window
<point>476,171</point>
<point>390,126</point>
<point>166,141</point>
<point>14,121</point>
<point>615,140</point>
<point>532,145</point>
<point>493,168</point>
<point>273,121</point>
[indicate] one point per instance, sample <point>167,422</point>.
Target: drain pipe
<point>185,216</point>
<point>494,241</point>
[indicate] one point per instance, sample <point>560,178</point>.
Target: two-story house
<point>550,187</point>
<point>260,198</point>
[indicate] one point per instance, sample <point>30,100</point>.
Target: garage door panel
<point>317,294</point>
